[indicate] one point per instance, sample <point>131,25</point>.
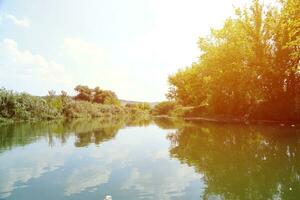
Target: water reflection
<point>21,165</point>
<point>241,162</point>
<point>86,177</point>
<point>136,159</point>
<point>30,158</point>
<point>86,131</point>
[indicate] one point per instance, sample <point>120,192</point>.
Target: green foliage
<point>164,108</point>
<point>96,95</point>
<point>78,109</point>
<point>84,93</point>
<point>249,63</point>
<point>179,111</point>
<point>186,112</point>
<point>138,110</point>
<point>144,106</point>
<point>22,106</point>
<point>141,106</point>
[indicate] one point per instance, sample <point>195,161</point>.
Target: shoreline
<point>196,119</point>
<point>234,120</point>
<point>6,121</point>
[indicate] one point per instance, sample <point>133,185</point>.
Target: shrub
<point>180,111</point>
<point>77,109</point>
<point>137,109</point>
<point>22,106</point>
<point>164,108</point>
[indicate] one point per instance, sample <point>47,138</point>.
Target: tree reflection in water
<point>86,131</point>
<point>241,162</point>
<point>236,161</point>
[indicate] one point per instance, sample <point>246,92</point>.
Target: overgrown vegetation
<point>247,69</point>
<point>22,106</point>
<point>164,108</point>
<point>88,103</point>
<point>137,109</point>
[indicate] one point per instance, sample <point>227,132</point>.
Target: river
<point>141,159</point>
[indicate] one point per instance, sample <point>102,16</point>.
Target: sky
<point>127,46</point>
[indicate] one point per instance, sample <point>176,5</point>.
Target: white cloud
<point>84,52</point>
<point>33,69</point>
<point>159,179</point>
<point>17,175</point>
<point>22,22</point>
<point>152,183</point>
<point>87,177</point>
<point>90,177</point>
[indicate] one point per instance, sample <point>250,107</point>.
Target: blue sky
<point>128,46</point>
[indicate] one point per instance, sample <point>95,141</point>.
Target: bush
<point>164,108</point>
<point>191,111</point>
<point>137,109</point>
<point>180,111</point>
<point>22,106</point>
<point>77,109</point>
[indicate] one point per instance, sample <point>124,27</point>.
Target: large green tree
<point>247,67</point>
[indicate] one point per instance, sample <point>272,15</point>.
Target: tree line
<point>249,67</point>
<point>87,103</point>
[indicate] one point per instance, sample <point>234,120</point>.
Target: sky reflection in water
<point>145,160</point>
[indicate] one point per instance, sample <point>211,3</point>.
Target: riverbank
<point>19,107</point>
<point>230,120</point>
<point>172,109</point>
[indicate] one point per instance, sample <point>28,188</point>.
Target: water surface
<point>88,159</point>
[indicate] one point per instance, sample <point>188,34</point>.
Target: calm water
<point>160,160</point>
